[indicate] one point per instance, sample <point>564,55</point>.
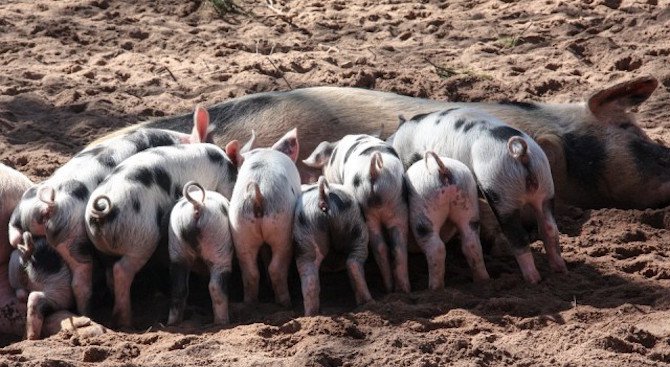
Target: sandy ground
<point>70,71</point>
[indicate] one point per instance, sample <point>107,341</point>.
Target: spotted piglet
<point>127,214</point>
<point>329,228</point>
<point>261,211</point>
<point>199,232</point>
<point>55,208</point>
<point>511,169</point>
<point>443,198</point>
<point>40,277</point>
<point>371,169</point>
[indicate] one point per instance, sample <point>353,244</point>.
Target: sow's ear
<point>619,98</point>
<point>289,145</point>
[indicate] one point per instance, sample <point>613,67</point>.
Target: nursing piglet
<point>510,167</point>
<point>199,232</point>
<point>261,211</point>
<point>127,214</point>
<point>371,169</point>
<point>55,208</point>
<point>443,198</point>
<point>39,275</point>
<point>329,227</point>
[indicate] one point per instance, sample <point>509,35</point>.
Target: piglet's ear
<point>233,152</point>
<point>620,97</point>
<point>289,145</point>
<point>320,155</point>
<point>200,125</point>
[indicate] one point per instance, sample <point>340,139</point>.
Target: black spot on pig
<point>423,226</point>
<point>106,159</point>
<point>82,251</point>
<point>75,189</point>
<point>191,234</point>
<point>415,158</point>
<point>163,179</point>
<point>475,224</point>
<point>135,201</point>
<point>30,193</point>
<point>513,229</point>
<point>650,159</point>
<point>159,138</point>
<point>332,157</point>
<point>328,151</point>
<point>503,133</point>
<point>231,172</point>
<point>142,175</point>
<point>113,213</point>
<point>374,200</point>
<point>159,217</point>
<point>585,157</point>
<point>350,150</point>
<point>470,125</point>
<point>379,148</point>
<point>179,274</point>
<point>311,188</point>
<point>214,155</point>
<point>405,191</point>
<point>44,307</point>
<point>45,259</point>
<point>257,165</point>
<point>419,117</point>
<point>15,219</point>
<point>340,203</point>
<point>98,179</point>
<point>459,123</point>
<point>523,105</point>
<point>356,180</point>
<point>177,191</point>
<point>444,113</point>
<point>354,233</point>
<point>492,197</point>
<point>138,139</point>
<point>302,219</point>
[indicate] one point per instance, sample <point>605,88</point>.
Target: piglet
<point>127,214</point>
<point>55,208</point>
<point>329,227</point>
<point>40,277</point>
<point>371,169</point>
<point>443,192</point>
<point>199,232</point>
<point>261,211</point>
<point>12,186</point>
